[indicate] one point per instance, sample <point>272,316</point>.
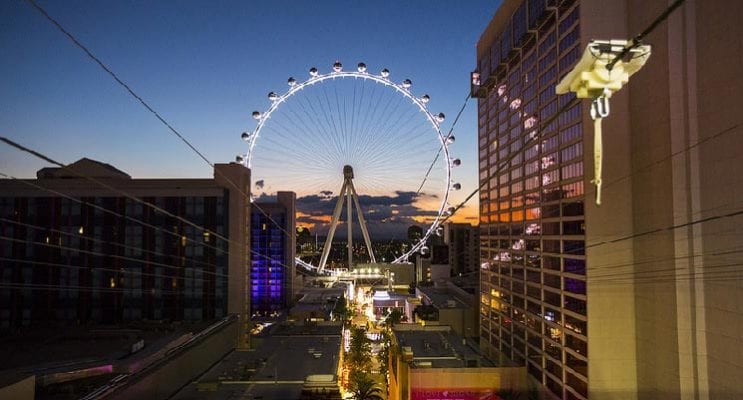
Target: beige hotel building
<point>641,297</point>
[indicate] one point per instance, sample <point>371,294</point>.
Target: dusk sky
<point>206,68</point>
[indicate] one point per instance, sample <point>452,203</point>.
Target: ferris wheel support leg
<point>349,212</point>
<point>362,222</point>
<point>331,232</point>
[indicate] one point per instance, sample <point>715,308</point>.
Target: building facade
<point>630,299</point>
<point>432,362</point>
<point>77,252</point>
<point>533,285</point>
<point>273,244</point>
<point>463,243</point>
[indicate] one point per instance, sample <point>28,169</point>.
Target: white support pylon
<point>349,192</point>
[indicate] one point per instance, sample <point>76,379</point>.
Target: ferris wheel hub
<point>348,171</point>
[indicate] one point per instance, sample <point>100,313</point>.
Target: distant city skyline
<point>206,69</point>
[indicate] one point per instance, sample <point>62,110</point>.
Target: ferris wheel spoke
<point>329,132</point>
<point>339,114</point>
<point>310,150</point>
<point>381,140</point>
<point>286,131</point>
<point>373,135</point>
<point>310,111</point>
<point>377,123</point>
<point>346,131</point>
<point>355,116</point>
<point>383,156</point>
<point>305,133</point>
<point>341,125</point>
<point>362,120</point>
<point>375,114</point>
<point>352,116</point>
<point>370,108</point>
<point>329,114</point>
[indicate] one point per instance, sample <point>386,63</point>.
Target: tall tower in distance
<point>462,241</point>
<point>273,245</point>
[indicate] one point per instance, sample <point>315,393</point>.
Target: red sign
<point>453,394</point>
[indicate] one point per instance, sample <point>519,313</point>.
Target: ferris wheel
<point>367,132</point>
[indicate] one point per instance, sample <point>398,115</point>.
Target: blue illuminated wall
<point>272,255</point>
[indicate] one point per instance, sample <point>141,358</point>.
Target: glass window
<point>549,110</point>
<point>574,286</point>
<point>577,345</point>
<point>547,43</point>
<point>571,152</point>
<point>572,171</point>
<point>519,23</point>
<point>576,325</point>
<point>553,368</point>
<point>569,39</point>
<point>506,44</point>
<point>535,10</point>
<point>570,116</point>
<point>552,280</point>
<point>575,266</point>
<point>551,228</point>
<point>550,210</point>
<point>575,305</point>
<point>529,62</point>
<point>579,385</point>
<point>574,228</point>
<point>573,190</point>
<point>551,262</point>
<point>533,277</point>
<point>551,246</point>
<point>569,21</point>
<point>569,59</point>
<point>548,77</point>
<point>554,387</point>
<point>572,209</point>
<point>552,298</point>
<point>574,247</point>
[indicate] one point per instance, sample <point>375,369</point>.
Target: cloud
<point>387,216</point>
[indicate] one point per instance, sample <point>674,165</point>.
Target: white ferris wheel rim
<point>296,87</point>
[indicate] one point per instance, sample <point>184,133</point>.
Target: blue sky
<point>205,66</point>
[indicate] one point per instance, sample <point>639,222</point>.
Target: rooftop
<point>277,369</point>
<point>83,166</point>
<point>438,347</point>
<point>444,297</point>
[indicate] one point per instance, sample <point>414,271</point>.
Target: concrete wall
<point>665,310</point>
<point>612,348</point>
<point>25,389</point>
<point>711,321</point>
<point>166,379</point>
<point>236,179</point>
<point>289,200</point>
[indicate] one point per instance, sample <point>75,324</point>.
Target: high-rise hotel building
<point>638,298</point>
<point>533,210</point>
<point>75,251</point>
<point>274,248</point>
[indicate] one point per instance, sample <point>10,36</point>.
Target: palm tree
<point>393,318</point>
<point>384,353</point>
<point>359,354</point>
<point>363,387</point>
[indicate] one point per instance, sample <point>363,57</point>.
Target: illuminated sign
<point>453,394</point>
